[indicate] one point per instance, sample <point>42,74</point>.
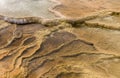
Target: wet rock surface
<point>61,51</point>
<point>61,48</point>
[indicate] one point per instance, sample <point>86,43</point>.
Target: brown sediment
<point>60,48</point>
<point>83,47</point>
<point>75,9</point>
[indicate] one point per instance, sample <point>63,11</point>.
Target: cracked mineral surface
<point>82,42</point>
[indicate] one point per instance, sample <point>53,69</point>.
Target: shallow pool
<point>26,8</point>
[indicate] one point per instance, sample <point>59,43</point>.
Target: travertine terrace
<point>79,39</point>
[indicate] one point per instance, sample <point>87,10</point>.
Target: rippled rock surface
<point>87,47</point>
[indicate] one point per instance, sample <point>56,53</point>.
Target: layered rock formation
<point>80,8</point>
<point>86,47</point>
